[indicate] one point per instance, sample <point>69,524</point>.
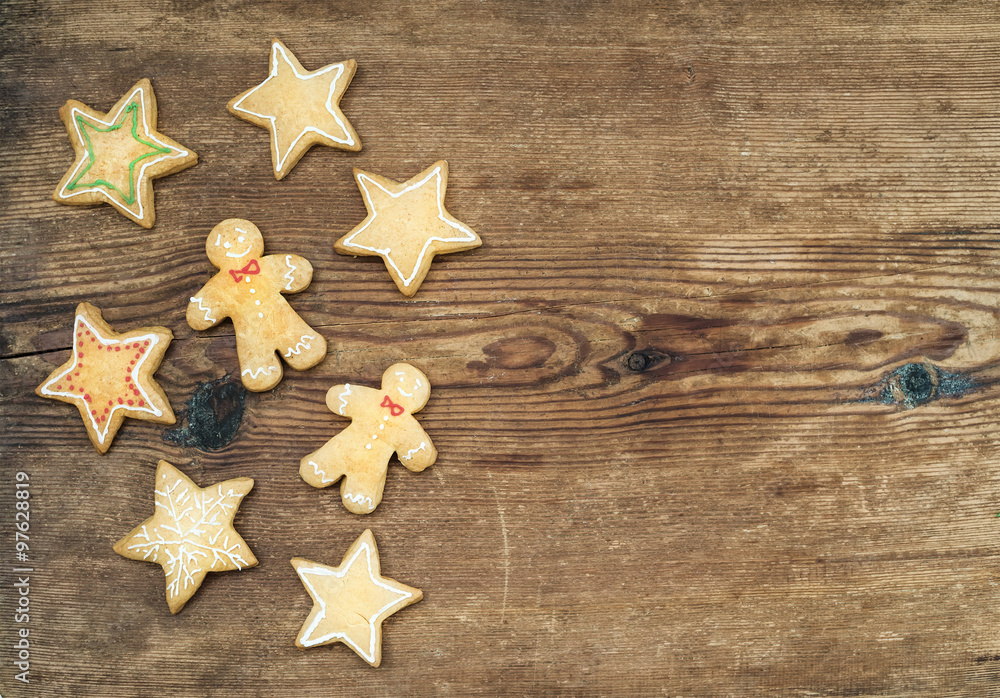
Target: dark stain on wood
<point>644,359</point>
<point>213,416</point>
<point>914,384</point>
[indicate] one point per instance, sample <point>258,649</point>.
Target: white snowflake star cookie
<point>351,601</point>
<point>300,108</point>
<point>190,532</point>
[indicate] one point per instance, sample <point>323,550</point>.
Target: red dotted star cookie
<point>109,376</point>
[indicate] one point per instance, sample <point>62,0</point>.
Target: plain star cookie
<point>351,601</point>
<point>248,289</point>
<point>190,532</point>
<point>407,225</point>
<point>109,376</point>
<point>118,154</point>
<point>299,108</point>
<point>382,423</point>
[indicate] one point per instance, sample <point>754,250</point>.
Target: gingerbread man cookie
<point>248,289</point>
<point>118,154</point>
<point>382,424</point>
<point>299,108</point>
<point>109,376</point>
<point>407,225</point>
<point>351,601</point>
<point>190,532</point>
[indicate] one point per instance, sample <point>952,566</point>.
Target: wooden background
<point>716,400</point>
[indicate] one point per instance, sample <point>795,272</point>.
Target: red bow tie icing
<point>249,269</point>
<point>395,409</point>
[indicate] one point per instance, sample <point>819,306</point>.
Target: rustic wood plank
<point>715,401</point>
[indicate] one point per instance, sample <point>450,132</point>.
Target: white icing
<point>148,407</point>
<point>201,307</point>
<point>174,153</point>
<point>277,49</point>
<point>258,371</point>
<point>322,474</point>
<point>344,394</point>
<point>288,274</point>
<point>304,573</point>
<point>409,454</point>
<point>363,181</point>
<point>360,499</point>
<point>301,343</point>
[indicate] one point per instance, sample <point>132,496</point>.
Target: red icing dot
<point>111,402</point>
<point>91,339</point>
<point>127,378</point>
<point>146,343</point>
<point>141,403</point>
<point>138,355</point>
<point>59,387</point>
<point>105,410</point>
<point>130,403</point>
<point>120,401</point>
<point>71,387</point>
<point>79,355</point>
<point>93,412</point>
<point>88,331</point>
<point>87,397</point>
<point>118,348</point>
<point>76,373</point>
<point>135,392</point>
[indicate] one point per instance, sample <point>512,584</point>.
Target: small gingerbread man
<point>382,424</point>
<point>248,289</point>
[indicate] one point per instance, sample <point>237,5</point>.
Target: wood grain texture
<point>715,401</point>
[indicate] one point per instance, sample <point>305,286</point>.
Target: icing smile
<point>237,256</point>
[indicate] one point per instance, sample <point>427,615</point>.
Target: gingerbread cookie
<point>407,225</point>
<point>190,532</point>
<point>299,108</point>
<point>109,376</point>
<point>118,154</point>
<point>351,601</point>
<point>248,289</point>
<point>382,423</point>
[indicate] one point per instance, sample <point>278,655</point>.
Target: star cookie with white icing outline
<point>407,225</point>
<point>109,376</point>
<point>300,108</point>
<point>118,154</point>
<point>190,532</point>
<point>351,601</point>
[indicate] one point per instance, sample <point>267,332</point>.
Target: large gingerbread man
<point>382,424</point>
<point>248,289</point>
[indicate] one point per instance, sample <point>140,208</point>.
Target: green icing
<point>130,111</point>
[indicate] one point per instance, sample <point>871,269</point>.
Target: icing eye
<point>227,245</point>
<point>218,240</point>
<point>241,238</point>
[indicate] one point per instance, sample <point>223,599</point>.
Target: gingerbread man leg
<point>301,346</point>
<point>361,489</point>
<point>260,368</point>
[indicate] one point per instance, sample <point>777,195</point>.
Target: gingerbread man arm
<point>414,447</point>
<point>207,308</point>
<point>290,272</point>
<point>349,400</point>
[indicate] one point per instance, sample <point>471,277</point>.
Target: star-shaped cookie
<point>190,532</point>
<point>407,225</point>
<point>118,154</point>
<point>351,601</point>
<point>299,108</point>
<point>109,376</point>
